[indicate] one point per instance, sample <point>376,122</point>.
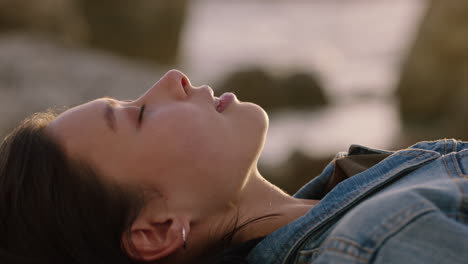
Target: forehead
<point>80,125</point>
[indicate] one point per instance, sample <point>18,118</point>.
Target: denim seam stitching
<point>460,174</point>
<point>423,213</point>
<point>464,199</point>
<point>410,154</point>
<point>351,243</point>
<point>358,258</point>
<point>421,152</point>
<point>445,146</point>
<point>444,158</point>
<point>456,180</point>
<point>416,212</point>
<point>308,252</point>
<point>457,167</point>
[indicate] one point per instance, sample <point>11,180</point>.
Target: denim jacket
<point>411,207</point>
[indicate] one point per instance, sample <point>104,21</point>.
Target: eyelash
<point>140,115</point>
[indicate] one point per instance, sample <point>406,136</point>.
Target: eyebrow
<point>109,114</point>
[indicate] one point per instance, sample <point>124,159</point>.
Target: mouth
<point>223,101</point>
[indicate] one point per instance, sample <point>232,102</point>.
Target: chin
<point>260,123</point>
<point>265,118</point>
<point>251,126</point>
<point>259,116</point>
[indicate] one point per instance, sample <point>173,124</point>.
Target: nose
<point>175,76</point>
<point>173,84</point>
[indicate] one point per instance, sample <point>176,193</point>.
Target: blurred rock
<point>37,73</point>
<point>434,83</point>
<point>147,29</point>
<point>297,91</point>
<point>58,18</point>
<point>296,171</point>
<point>302,91</point>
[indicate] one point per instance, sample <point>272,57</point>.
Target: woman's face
<point>183,148</point>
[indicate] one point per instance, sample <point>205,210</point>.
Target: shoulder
<point>415,224</point>
<point>409,201</point>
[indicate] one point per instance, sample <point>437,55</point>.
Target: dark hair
<point>54,209</point>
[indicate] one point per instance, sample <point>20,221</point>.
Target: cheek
<point>182,140</point>
<point>194,147</point>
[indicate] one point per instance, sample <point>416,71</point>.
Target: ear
<point>152,239</point>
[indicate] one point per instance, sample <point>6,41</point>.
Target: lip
<point>223,102</point>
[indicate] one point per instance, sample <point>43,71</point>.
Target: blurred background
<point>379,73</point>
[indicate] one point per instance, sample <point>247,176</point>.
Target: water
<point>355,46</point>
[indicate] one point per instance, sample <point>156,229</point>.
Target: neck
<point>257,199</point>
<point>261,198</point>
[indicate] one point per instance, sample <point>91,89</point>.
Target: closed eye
<point>140,115</point>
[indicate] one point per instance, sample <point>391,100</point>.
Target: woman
<point>172,177</point>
